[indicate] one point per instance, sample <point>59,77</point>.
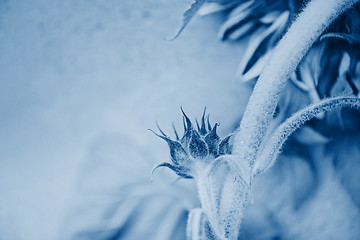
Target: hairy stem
<point>306,29</point>
<point>195,225</point>
<point>271,150</point>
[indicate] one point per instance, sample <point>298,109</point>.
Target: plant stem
<point>304,31</point>
<point>268,155</point>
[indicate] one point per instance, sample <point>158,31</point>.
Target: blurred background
<point>82,75</point>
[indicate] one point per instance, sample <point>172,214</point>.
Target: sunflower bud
<point>197,147</point>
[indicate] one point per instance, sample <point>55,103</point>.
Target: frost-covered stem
<point>305,30</point>
<point>208,200</point>
<point>195,225</point>
<point>271,150</point>
<point>223,197</point>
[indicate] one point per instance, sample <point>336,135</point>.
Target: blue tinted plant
<point>224,179</point>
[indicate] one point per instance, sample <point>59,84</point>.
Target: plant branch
<point>272,148</point>
<point>305,30</point>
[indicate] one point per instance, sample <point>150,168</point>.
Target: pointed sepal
<point>197,146</point>
<point>212,140</point>
<point>202,130</point>
<point>179,170</point>
<point>177,152</point>
<point>224,146</point>
<point>185,140</point>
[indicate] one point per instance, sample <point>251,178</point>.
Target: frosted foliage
<point>271,148</point>
<point>136,208</point>
<point>225,185</point>
<point>301,35</point>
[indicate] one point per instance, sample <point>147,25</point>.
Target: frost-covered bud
<point>197,148</point>
<point>222,180</point>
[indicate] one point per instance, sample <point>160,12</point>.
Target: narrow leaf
<point>179,170</point>
<point>187,16</point>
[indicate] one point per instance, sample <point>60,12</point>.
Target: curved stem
<point>208,199</point>
<point>272,148</point>
<point>195,225</point>
<point>306,29</point>
<point>223,198</point>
